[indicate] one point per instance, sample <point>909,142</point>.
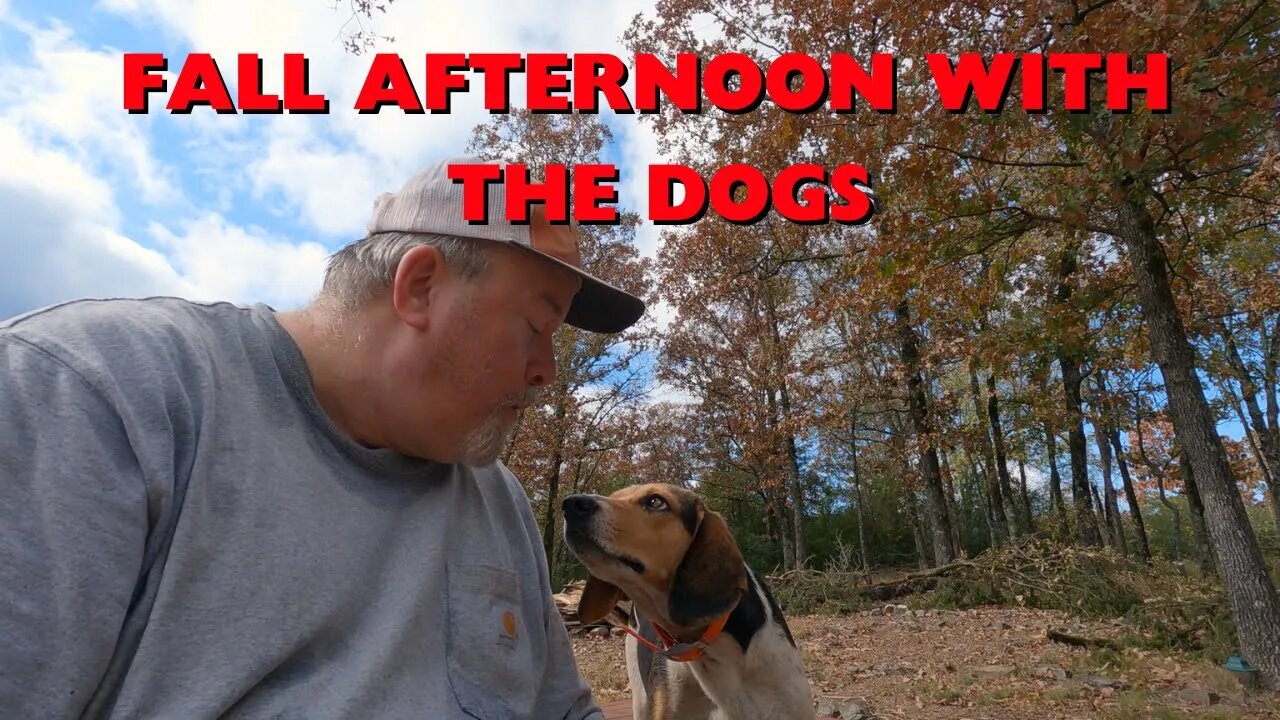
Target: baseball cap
<point>431,202</point>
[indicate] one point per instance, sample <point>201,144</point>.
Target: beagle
<point>706,639</point>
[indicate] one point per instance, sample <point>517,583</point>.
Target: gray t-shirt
<point>185,534</point>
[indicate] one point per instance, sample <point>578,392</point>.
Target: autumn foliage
<point>1058,324</point>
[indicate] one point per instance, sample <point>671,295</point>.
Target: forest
<point>1058,327</point>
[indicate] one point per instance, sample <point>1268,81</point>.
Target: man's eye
<point>655,502</point>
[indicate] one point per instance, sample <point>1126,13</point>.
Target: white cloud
<point>663,313</point>
<point>54,175</point>
<point>639,151</point>
<point>61,232</point>
<point>664,393</point>
<point>339,195</point>
<point>70,159</point>
<point>75,163</point>
<point>67,95</point>
<point>225,262</point>
<point>330,168</point>
<point>1037,479</point>
<point>59,235</point>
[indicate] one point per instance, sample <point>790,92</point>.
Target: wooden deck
<point>620,710</point>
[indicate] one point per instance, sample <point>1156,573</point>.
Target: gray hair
<point>363,269</point>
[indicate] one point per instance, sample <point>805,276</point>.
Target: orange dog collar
<point>683,651</point>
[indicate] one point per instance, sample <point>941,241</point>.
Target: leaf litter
<point>987,663</point>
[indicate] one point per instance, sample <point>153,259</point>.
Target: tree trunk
<point>995,502</point>
<point>1177,519</point>
<point>918,533</point>
<point>785,533</point>
<point>1099,515</point>
<point>1265,437</point>
<point>1254,601</point>
<point>1158,472</point>
<point>1104,510</point>
<point>1109,491</point>
<point>784,498</point>
<point>1275,502</point>
<point>978,480</point>
<point>1002,460</point>
<point>1204,548</point>
<point>1255,446</point>
<point>794,484</point>
<point>771,524</point>
<point>1077,449</point>
<point>1055,483</point>
<point>797,487</point>
<point>857,491</point>
<point>1271,391</point>
<point>1026,496</point>
<point>1250,433</point>
<point>1069,364</point>
<point>1135,511</point>
<point>1271,374</point>
<point>948,479</point>
<point>935,500</point>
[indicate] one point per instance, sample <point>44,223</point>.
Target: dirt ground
<point>982,664</point>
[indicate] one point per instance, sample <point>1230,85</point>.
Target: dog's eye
<point>655,502</point>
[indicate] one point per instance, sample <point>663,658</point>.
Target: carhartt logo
<point>509,624</point>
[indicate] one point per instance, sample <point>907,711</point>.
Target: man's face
<point>486,349</point>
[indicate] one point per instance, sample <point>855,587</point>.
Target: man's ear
<point>598,599</point>
<point>711,577</point>
<point>419,272</point>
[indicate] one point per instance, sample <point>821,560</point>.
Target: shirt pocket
<point>491,641</point>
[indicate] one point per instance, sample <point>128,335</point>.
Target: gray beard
<point>482,446</point>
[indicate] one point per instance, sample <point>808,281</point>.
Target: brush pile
<point>1166,606</point>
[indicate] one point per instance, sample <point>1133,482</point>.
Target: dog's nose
<point>579,507</point>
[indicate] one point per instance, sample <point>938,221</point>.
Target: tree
<point>357,33</point>
<point>1238,324</point>
<point>736,345</point>
<point>1135,178</point>
<point>1111,415</point>
<point>939,521</point>
<point>1095,202</point>
<point>1068,355</point>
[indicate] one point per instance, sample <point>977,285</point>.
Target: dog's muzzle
<point>579,530</point>
<point>579,508</point>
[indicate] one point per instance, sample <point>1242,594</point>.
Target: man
<point>208,510</point>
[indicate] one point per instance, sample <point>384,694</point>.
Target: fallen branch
<point>1066,638</point>
<point>911,582</point>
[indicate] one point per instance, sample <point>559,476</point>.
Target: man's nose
<point>579,507</point>
<point>542,367</point>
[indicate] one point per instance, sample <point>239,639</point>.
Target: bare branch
<point>1004,163</point>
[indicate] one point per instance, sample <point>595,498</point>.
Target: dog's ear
<point>711,577</point>
<point>598,599</point>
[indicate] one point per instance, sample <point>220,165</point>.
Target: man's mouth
<point>522,400</point>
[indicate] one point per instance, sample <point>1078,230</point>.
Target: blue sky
<point>245,208</point>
